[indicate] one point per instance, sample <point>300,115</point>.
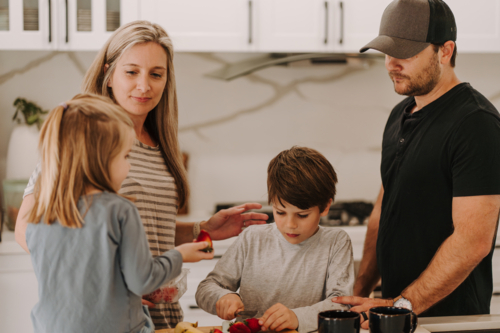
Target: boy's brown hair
<point>302,177</point>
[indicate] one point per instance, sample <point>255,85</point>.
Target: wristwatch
<point>401,302</point>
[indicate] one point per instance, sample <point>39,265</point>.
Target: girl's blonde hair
<point>161,122</point>
<point>77,143</point>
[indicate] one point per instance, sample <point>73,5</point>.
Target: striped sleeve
<point>31,183</point>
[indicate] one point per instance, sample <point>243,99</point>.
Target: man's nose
<point>392,63</point>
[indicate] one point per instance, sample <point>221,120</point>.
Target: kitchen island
<point>477,324</point>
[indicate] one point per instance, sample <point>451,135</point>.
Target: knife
<point>248,314</point>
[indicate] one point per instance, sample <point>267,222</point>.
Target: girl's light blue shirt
<point>91,279</point>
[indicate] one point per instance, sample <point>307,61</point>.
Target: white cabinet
<point>293,25</point>
<point>62,24</point>
<point>26,25</point>
<point>478,26</point>
<point>204,25</point>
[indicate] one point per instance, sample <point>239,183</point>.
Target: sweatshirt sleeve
<point>143,273</point>
<point>224,279</point>
<point>339,282</point>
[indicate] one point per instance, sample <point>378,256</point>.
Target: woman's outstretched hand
<point>227,223</point>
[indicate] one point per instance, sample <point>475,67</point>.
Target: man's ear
<point>447,52</point>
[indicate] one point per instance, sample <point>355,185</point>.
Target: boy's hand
<point>278,317</point>
<point>191,252</point>
<point>228,305</point>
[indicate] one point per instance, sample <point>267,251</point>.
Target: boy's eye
<point>280,213</point>
<point>302,216</point>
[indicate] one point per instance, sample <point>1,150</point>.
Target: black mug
<point>389,319</point>
<point>338,321</point>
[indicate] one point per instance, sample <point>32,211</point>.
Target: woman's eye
<point>131,72</point>
<point>158,76</point>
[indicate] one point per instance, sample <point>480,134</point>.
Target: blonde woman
<point>135,68</point>
<point>88,247</point>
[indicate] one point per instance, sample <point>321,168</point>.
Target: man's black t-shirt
<point>450,148</point>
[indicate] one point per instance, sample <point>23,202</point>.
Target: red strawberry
<point>169,294</point>
<point>155,296</point>
<point>215,330</point>
<point>205,237</point>
<point>253,324</point>
<point>239,328</point>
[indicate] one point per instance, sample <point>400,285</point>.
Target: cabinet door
<point>478,26</point>
<point>87,24</point>
<point>202,25</point>
<point>25,25</point>
<point>294,25</point>
<point>358,23</point>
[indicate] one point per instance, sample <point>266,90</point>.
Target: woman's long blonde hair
<point>77,143</point>
<point>161,122</point>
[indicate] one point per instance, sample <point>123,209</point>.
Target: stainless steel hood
<point>242,68</point>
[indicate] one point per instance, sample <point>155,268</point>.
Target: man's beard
<point>421,84</point>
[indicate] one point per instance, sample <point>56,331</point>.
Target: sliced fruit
<point>239,328</point>
<point>185,327</point>
<point>253,324</point>
<point>215,330</point>
<point>205,237</point>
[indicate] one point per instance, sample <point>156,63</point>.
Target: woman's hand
<point>277,318</point>
<point>227,223</point>
<point>191,252</point>
<point>228,305</point>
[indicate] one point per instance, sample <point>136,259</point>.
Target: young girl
<point>87,243</point>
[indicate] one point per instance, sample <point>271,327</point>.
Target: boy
<point>287,271</point>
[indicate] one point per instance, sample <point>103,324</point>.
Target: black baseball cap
<point>409,26</point>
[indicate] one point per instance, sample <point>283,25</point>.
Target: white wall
<point>232,129</point>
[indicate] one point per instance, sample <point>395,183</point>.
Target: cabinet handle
<point>67,33</point>
<point>326,22</point>
<point>50,22</point>
<point>250,22</point>
<point>341,40</point>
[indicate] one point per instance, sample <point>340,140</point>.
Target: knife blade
<point>247,313</point>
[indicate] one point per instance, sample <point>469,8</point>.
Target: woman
<point>135,68</point>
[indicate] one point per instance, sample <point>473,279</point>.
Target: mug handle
<point>413,322</point>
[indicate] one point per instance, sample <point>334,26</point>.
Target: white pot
<point>22,154</point>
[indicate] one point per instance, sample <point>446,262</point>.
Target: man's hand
<point>228,305</point>
<point>362,304</point>
<point>227,223</point>
<point>278,317</point>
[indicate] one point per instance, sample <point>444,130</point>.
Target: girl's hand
<point>228,305</point>
<point>227,223</point>
<point>148,303</point>
<point>278,317</point>
<point>191,252</point>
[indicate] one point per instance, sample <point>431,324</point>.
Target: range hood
<point>242,68</point>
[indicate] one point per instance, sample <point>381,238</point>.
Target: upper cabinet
<point>26,25</point>
<point>478,26</point>
<point>62,24</point>
<point>289,26</point>
<point>204,25</point>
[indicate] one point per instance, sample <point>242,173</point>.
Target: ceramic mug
<point>389,319</point>
<point>338,321</point>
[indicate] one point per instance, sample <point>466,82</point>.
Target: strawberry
<point>155,296</point>
<point>253,324</point>
<point>205,237</point>
<point>215,330</point>
<point>169,293</point>
<point>239,327</point>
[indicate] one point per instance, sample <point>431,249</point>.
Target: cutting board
<point>207,329</point>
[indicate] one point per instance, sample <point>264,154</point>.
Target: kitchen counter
<point>490,323</point>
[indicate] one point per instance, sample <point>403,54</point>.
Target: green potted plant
<point>22,155</point>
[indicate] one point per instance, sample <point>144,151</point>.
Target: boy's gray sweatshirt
<point>268,270</point>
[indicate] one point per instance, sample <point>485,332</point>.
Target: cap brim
<point>396,47</point>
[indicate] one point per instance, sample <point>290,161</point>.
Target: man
<point>431,234</point>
